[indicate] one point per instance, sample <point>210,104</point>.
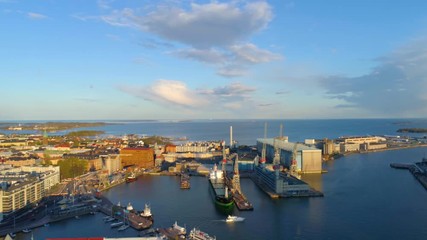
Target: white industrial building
<point>308,159</point>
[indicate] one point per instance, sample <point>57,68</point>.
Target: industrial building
<point>308,159</point>
<point>25,185</point>
<point>139,157</point>
<point>111,163</point>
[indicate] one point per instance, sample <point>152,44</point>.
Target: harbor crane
<point>236,175</point>
<point>224,158</point>
<point>293,167</point>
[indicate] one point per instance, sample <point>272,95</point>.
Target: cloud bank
<point>396,87</point>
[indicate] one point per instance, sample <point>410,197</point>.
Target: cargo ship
<point>223,199</point>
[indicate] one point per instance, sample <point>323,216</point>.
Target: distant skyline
<point>128,59</point>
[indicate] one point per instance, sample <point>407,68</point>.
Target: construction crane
<point>276,159</point>
<point>224,157</point>
<point>236,176</point>
<point>293,167</point>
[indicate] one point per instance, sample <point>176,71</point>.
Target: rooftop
<point>288,146</point>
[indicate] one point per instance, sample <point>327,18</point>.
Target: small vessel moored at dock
<point>131,178</point>
<point>117,224</point>
<point>123,227</point>
<point>147,213</point>
<point>174,232</point>
<point>196,234</point>
<point>109,219</point>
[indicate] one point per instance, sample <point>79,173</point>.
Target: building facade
<point>111,163</point>
<point>139,157</point>
<point>25,185</point>
<point>308,159</point>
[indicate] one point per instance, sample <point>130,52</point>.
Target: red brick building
<point>170,148</point>
<point>139,157</point>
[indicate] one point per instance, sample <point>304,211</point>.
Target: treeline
<point>156,139</point>
<point>72,167</point>
<point>84,133</point>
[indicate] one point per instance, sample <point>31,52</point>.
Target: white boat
<point>231,218</point>
<point>147,212</point>
<point>180,229</point>
<point>129,207</point>
<point>109,219</point>
<point>123,227</point>
<point>117,224</point>
<point>26,230</point>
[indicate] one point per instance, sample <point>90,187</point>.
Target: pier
<point>401,165</point>
<point>242,203</point>
<point>136,221</point>
<point>418,170</point>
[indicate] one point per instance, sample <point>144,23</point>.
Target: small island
<point>52,126</point>
<point>85,133</point>
<point>412,130</point>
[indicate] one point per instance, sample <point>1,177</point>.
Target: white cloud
<point>36,16</point>
<point>174,93</point>
<point>249,53</point>
<point>167,92</point>
<point>210,56</point>
<point>232,61</point>
<point>202,26</point>
<point>232,90</point>
<point>215,32</point>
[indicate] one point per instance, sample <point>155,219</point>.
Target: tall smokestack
<point>231,137</point>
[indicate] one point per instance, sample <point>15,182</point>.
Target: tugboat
<point>147,213</point>
<point>131,178</point>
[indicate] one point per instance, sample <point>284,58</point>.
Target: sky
<point>170,59</point>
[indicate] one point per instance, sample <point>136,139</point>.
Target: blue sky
<point>170,59</point>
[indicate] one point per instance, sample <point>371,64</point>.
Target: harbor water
<point>364,198</point>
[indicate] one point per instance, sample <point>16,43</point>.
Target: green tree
<point>73,167</point>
